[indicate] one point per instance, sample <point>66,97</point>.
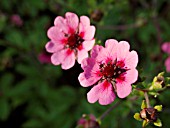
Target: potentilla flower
<point>110,69</point>
<point>16,20</point>
<point>44,57</point>
<point>166,49</point>
<point>70,39</point>
<point>88,121</point>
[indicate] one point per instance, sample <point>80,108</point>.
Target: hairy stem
<point>147,99</point>
<point>109,110</point>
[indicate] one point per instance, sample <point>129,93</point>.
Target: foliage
<point>38,95</point>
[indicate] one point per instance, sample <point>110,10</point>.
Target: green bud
<point>144,123</point>
<point>143,105</point>
<point>158,123</point>
<point>158,108</point>
<point>137,116</point>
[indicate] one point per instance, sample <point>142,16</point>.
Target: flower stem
<point>147,99</point>
<point>109,110</point>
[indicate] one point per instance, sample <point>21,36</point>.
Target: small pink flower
<point>70,39</point>
<point>166,49</point>
<point>110,69</point>
<point>16,20</point>
<point>88,121</point>
<point>44,58</point>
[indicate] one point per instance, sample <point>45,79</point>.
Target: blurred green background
<point>34,94</point>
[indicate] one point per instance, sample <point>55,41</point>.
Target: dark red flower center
<point>111,71</point>
<point>74,41</point>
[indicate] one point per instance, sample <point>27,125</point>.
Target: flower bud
<point>88,121</point>
<point>96,15</point>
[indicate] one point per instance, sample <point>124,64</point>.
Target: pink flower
<point>88,121</point>
<point>44,58</point>
<point>110,69</point>
<point>166,49</point>
<point>70,39</point>
<point>16,20</point>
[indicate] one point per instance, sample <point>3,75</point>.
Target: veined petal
<point>68,59</point>
<point>87,80</point>
<point>64,57</point>
<point>55,34</point>
<point>61,25</point>
<point>85,21</point>
<point>72,21</point>
<point>81,54</point>
<point>107,95</point>
<point>87,33</point>
<point>111,46</point>
<point>122,50</point>
<point>131,76</point>
<point>102,92</point>
<point>94,94</point>
<point>131,59</point>
<point>53,47</point>
<point>88,45</point>
<point>123,89</point>
<point>96,51</point>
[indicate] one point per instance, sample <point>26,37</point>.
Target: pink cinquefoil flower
<point>70,39</point>
<point>166,49</point>
<point>44,57</point>
<point>110,69</point>
<point>16,20</point>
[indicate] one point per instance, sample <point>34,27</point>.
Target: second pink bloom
<point>70,38</point>
<point>109,70</point>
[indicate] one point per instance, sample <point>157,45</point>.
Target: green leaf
<point>4,109</point>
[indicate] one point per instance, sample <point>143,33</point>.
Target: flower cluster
<point>149,115</point>
<point>110,69</point>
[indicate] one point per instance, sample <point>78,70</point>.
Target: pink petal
<point>61,24</point>
<point>88,45</point>
<point>72,21</point>
<point>96,50</point>
<point>85,21</point>
<point>123,89</point>
<point>131,76</point>
<point>55,35</point>
<point>56,58</point>
<point>102,92</point>
<point>167,64</point>
<point>53,47</point>
<point>94,94</point>
<point>68,60</point>
<point>87,79</point>
<point>166,47</point>
<point>88,33</point>
<point>131,59</point>
<point>81,54</point>
<point>111,46</point>
<point>122,50</point>
<point>107,95</point>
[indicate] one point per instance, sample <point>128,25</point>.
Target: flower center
<point>111,71</point>
<point>74,41</point>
